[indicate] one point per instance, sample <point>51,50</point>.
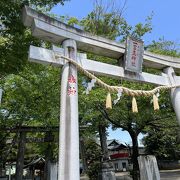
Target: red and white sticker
<point>71,85</point>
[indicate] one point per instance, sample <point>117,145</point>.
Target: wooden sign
<point>134,55</point>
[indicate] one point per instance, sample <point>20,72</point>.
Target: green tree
<point>162,139</point>
<point>121,115</point>
<point>107,20</point>
<point>164,47</point>
<point>93,156</point>
<point>31,95</point>
<point>21,81</point>
<point>15,38</point>
<point>112,25</point>
<point>30,98</point>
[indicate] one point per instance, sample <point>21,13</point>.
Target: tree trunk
<point>20,156</point>
<point>135,154</point>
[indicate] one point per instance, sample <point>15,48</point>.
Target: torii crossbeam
<point>73,39</point>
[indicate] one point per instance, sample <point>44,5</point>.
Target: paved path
<point>165,175</point>
<point>170,175</point>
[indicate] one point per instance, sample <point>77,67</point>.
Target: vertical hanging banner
<point>134,55</point>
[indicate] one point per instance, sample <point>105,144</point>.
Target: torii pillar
<point>69,125</point>
<point>175,92</point>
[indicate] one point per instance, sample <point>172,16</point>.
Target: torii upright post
<point>175,93</point>
<point>69,128</point>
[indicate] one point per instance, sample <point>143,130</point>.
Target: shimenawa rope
<point>127,91</point>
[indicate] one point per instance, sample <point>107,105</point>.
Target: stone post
<point>69,125</point>
<point>175,93</point>
<point>148,168</point>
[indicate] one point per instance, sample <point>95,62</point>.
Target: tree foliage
<point>93,157</point>
<point>165,47</point>
<point>30,92</point>
<point>107,20</point>
<point>15,38</point>
<point>121,115</point>
<point>31,95</point>
<point>162,138</point>
<point>163,141</point>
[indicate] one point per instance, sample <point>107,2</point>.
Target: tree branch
<point>106,116</point>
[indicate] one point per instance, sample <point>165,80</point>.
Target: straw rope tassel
<point>108,101</point>
<point>155,102</point>
<point>134,105</point>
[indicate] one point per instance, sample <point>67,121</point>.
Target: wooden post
<point>20,156</point>
<point>69,125</point>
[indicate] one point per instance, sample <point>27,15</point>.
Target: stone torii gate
<point>73,39</point>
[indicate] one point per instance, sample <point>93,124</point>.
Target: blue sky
<point>165,23</point>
